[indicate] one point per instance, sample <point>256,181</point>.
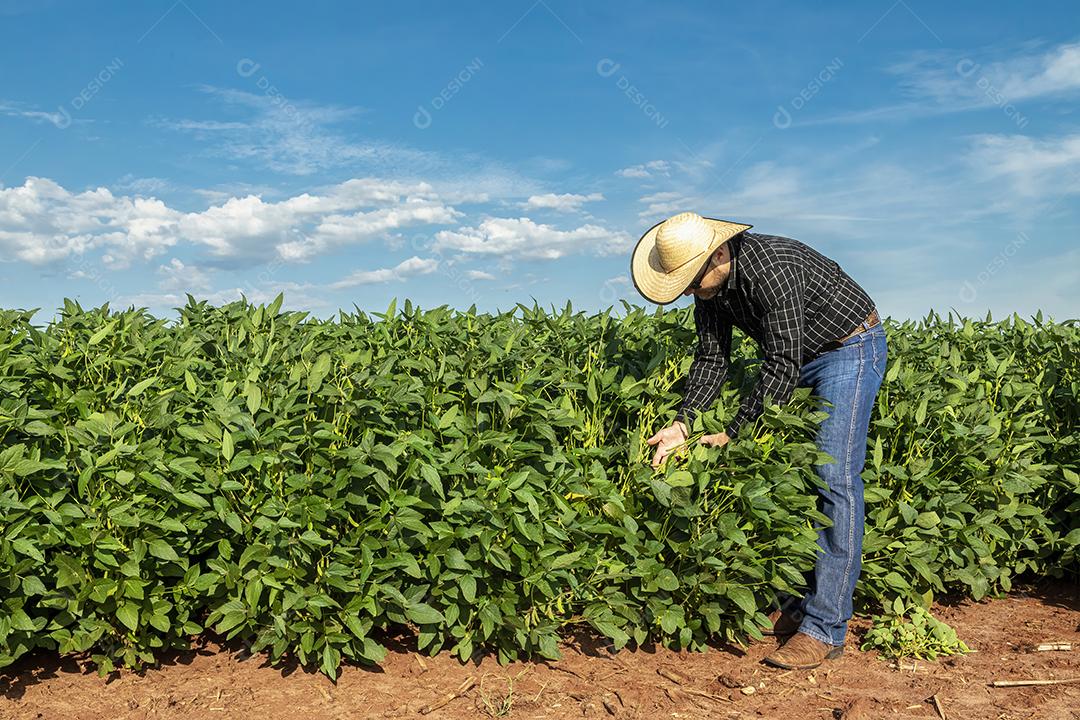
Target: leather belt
<point>871,320</point>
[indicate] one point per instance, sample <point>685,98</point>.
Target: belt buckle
<point>865,325</point>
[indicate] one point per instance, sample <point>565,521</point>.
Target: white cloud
<point>143,185</point>
<point>663,204</point>
<point>207,125</point>
<point>296,297</point>
<point>220,193</point>
<point>478,275</point>
<point>289,136</point>
<point>652,168</point>
<point>957,80</point>
<point>1033,167</point>
<point>42,222</point>
<point>178,275</point>
<point>61,119</point>
<point>695,165</point>
<point>523,238</point>
<point>292,136</point>
<point>832,198</point>
<point>567,202</point>
<point>942,82</point>
<point>298,137</point>
<point>405,269</point>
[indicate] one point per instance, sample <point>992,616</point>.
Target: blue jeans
<point>849,378</point>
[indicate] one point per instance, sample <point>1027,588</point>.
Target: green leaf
<point>128,613</point>
<point>32,585</point>
<point>230,620</point>
<point>254,398</point>
<point>372,651</point>
<point>893,372</point>
<point>68,571</point>
<point>318,372</point>
<point>671,619</point>
<point>331,661</point>
<point>21,621</point>
<point>192,499</point>
<point>423,614</point>
<point>431,477</point>
<point>927,519</point>
<point>28,548</point>
<point>226,444</point>
<point>680,478</point>
<point>566,559</point>
<point>137,390</point>
<point>920,414</point>
<point>103,333</point>
<point>666,580</point>
<point>163,550</point>
<point>608,629</point>
<point>744,598</point>
<point>467,584</point>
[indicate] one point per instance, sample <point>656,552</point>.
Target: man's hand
<point>667,440</point>
<point>717,440</point>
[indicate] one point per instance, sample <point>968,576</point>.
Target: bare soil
<point>214,680</point>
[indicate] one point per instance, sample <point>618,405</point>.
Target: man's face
<point>715,272</point>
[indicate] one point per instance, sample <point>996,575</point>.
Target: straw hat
<point>670,254</point>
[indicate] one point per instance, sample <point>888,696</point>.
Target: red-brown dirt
<point>212,681</point>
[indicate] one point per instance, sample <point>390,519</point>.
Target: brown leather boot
<point>803,652</point>
<point>783,624</point>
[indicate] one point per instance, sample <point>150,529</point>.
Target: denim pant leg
<point>849,378</point>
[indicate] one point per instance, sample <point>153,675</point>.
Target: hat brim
<point>661,287</point>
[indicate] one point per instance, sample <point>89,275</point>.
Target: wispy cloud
<point>296,137</point>
<point>992,179</point>
<point>290,136</point>
<point>651,169</point>
<point>943,82</point>
<point>663,204</point>
<point>407,268</point>
<point>178,275</point>
<point>567,202</point>
<point>952,79</point>
<point>692,164</point>
<point>645,170</point>
<point>56,119</point>
<point>522,238</point>
<point>143,185</point>
<point>1034,168</point>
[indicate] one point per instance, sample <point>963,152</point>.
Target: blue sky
<point>494,153</point>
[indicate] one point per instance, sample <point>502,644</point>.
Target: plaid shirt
<point>791,300</point>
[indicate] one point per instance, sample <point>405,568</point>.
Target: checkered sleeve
<point>781,295</point>
<point>710,366</point>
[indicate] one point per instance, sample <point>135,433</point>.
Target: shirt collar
<point>733,275</point>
